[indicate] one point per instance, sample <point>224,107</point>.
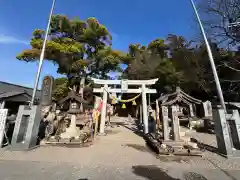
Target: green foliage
<point>60,88</point>
<point>178,62</point>
<point>152,62</point>
<point>84,48</point>
<point>79,48</point>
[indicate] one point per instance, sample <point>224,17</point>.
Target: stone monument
<point>3,117</point>
<point>46,94</point>
<point>26,128</point>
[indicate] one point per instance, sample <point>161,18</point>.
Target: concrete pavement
<point>121,155</point>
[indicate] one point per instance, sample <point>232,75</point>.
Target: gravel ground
<point>121,154</point>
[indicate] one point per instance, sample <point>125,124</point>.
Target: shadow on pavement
<point>177,159</point>
<point>139,147</point>
<point>133,129</point>
<point>154,173</point>
<point>151,173</point>
<point>193,176</point>
<point>207,147</point>
<point>111,132</point>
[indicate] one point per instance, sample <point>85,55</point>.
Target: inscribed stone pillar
<point>82,83</point>
<point>103,110</point>
<point>3,117</point>
<point>157,115</point>
<point>145,113</point>
<point>237,122</point>
<point>2,104</point>
<point>46,94</point>
<point>165,122</point>
<point>141,114</point>
<point>207,107</point>
<point>233,120</point>
<point>191,110</point>
<point>222,132</point>
<point>175,123</point>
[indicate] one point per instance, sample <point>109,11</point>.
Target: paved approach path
<point>121,155</point>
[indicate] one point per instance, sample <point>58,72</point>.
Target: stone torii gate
<point>124,89</point>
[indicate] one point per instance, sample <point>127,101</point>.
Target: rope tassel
<point>134,103</point>
<point>123,106</point>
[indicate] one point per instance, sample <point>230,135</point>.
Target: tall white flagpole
<point>42,54</point>
<point>219,89</point>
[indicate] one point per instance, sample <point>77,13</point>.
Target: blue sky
<point>129,21</point>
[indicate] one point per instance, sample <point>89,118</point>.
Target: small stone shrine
<point>179,106</point>
<point>227,130</point>
<point>80,127</point>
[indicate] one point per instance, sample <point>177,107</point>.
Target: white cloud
<point>5,39</point>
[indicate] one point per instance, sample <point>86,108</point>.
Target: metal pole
<point>219,89</point>
<point>42,54</point>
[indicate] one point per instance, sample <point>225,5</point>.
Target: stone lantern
<point>74,108</point>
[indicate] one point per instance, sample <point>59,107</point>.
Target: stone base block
<point>76,141</point>
<point>64,140</point>
<point>52,139</point>
<point>101,134</point>
<point>174,144</point>
<point>182,134</point>
<point>26,128</point>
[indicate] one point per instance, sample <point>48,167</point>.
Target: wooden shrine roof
<point>178,96</point>
<point>71,96</point>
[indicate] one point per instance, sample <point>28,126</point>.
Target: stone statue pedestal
<point>72,131</point>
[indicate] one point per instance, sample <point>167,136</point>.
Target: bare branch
<point>217,14</point>
<point>230,67</point>
<point>232,81</point>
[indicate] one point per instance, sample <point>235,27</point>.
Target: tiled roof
<point>15,89</point>
<point>10,94</point>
